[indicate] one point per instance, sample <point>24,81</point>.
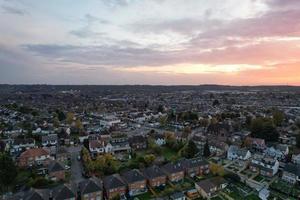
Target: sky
<point>157,42</point>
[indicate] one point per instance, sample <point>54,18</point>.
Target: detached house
<point>155,176</point>
<point>120,144</point>
<point>174,172</point>
<point>49,140</point>
<point>99,147</point>
<point>234,153</point>
<point>291,173</point>
<point>114,186</point>
<point>20,145</point>
<point>136,182</point>
<point>159,139</point>
<point>34,157</point>
<point>279,152</point>
<point>266,166</point>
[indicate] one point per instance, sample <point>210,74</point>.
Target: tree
<point>8,171</point>
<point>70,117</point>
<point>78,125</point>
<point>56,122</point>
<point>298,123</point>
<point>163,120</point>
<point>160,109</point>
<point>217,169</point>
<point>149,159</point>
<point>298,140</point>
<point>61,115</point>
<point>216,102</point>
<point>190,150</point>
<point>206,150</point>
<point>278,117</point>
<point>264,128</point>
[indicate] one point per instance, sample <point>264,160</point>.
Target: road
<point>76,167</point>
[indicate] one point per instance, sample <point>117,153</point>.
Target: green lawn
<point>145,196</point>
<point>259,178</point>
<point>216,198</point>
<point>169,153</point>
<point>252,197</point>
<point>286,188</point>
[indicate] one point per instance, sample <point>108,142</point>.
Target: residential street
<point>76,167</point>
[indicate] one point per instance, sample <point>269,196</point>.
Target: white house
<point>265,166</point>
<point>109,121</point>
<point>100,147</point>
<point>235,153</point>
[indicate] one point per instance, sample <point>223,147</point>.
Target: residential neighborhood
<point>142,142</point>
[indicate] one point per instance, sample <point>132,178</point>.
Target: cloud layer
<point>164,42</point>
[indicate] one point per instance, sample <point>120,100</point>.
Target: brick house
<point>114,186</point>
<point>136,182</point>
<point>209,187</point>
<point>65,192</point>
<point>91,189</point>
<point>155,176</point>
<point>195,167</point>
<point>56,171</point>
<point>174,171</point>
<point>34,157</point>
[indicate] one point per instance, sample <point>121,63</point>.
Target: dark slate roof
<point>153,172</point>
<point>62,192</point>
<point>49,137</point>
<point>196,162</point>
<point>133,176</point>
<point>292,168</point>
<point>31,194</point>
<point>90,186</point>
<point>208,184</point>
<point>113,181</point>
<point>171,168</point>
<point>19,141</point>
<point>55,167</point>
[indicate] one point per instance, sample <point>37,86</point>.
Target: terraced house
<point>90,189</point>
<point>174,172</point>
<point>156,178</point>
<point>136,182</point>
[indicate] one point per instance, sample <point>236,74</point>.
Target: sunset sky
<point>232,42</point>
